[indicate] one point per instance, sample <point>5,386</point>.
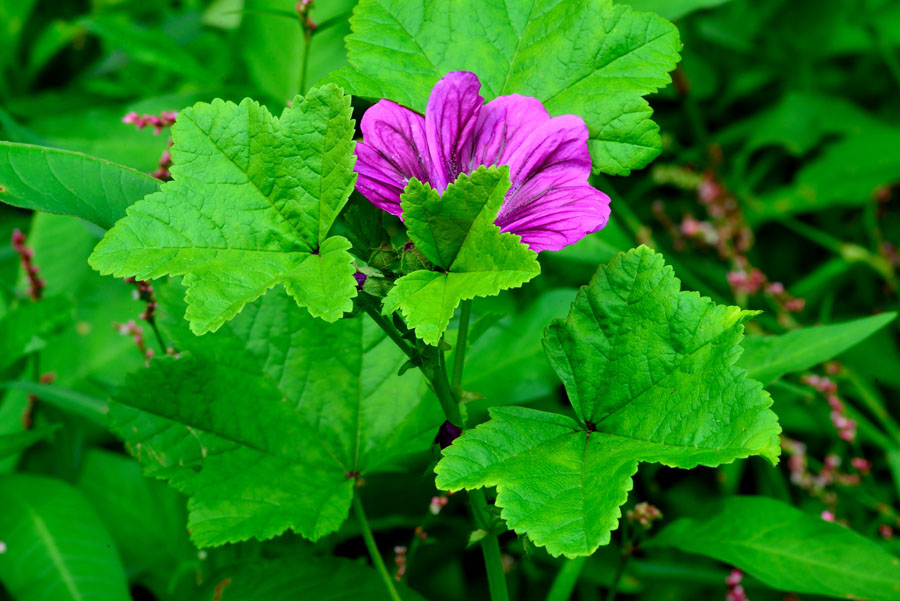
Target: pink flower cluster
<point>753,281</point>
<point>303,8</point>
<point>158,123</point>
<point>735,589</point>
<point>36,284</point>
<point>137,334</point>
<point>644,514</point>
<point>845,426</point>
<point>144,292</point>
<point>400,562</point>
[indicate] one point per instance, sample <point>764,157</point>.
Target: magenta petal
<point>450,119</point>
<point>392,153</point>
<point>556,217</point>
<point>554,154</point>
<point>503,126</point>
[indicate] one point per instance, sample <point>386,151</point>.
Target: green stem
<point>459,353</point>
<point>432,365</point>
<point>159,338</point>
<point>307,40</point>
<point>624,557</point>
<point>374,553</point>
<point>566,579</point>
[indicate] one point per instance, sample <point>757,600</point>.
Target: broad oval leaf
<point>589,58</point>
<point>767,358</point>
<point>250,207</point>
<point>69,183</point>
<point>788,549</point>
<point>650,373</point>
<point>56,547</point>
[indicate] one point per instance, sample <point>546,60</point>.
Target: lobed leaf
<point>650,373</point>
<point>589,58</point>
<point>251,204</point>
<point>456,231</point>
<point>267,423</point>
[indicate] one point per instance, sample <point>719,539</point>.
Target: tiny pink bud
<point>827,516</point>
<point>734,578</point>
<point>886,532</point>
<point>861,464</point>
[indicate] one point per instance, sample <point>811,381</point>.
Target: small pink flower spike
<point>734,578</point>
<point>827,516</point>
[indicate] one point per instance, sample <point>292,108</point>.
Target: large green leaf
<point>56,548</point>
<point>767,358</point>
<point>650,373</point>
<point>589,58</point>
<point>250,207</point>
<point>69,183</point>
<point>456,232</point>
<point>303,577</point>
<point>267,423</point>
<point>789,550</point>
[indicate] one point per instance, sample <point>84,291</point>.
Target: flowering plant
<point>358,293</point>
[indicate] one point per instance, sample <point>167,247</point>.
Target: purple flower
<point>549,204</point>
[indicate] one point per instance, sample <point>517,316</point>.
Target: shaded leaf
<point>767,358</point>
<point>788,549</point>
<point>56,547</point>
<point>69,183</point>
<point>266,424</point>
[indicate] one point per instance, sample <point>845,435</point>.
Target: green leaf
<point>767,358</point>
<point>650,373</point>
<point>507,364</point>
<point>77,403</point>
<point>250,207</point>
<point>266,424</point>
<point>56,547</point>
<point>456,232</point>
<point>22,328</point>
<point>846,174</point>
<point>303,577</point>
<point>789,550</point>
<point>145,517</point>
<point>674,9</point>
<point>589,58</point>
<point>10,444</point>
<point>69,183</point>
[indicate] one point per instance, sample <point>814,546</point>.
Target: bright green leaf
<point>266,423</point>
<point>650,373</point>
<point>56,548</point>
<point>456,231</point>
<point>250,207</point>
<point>789,550</point>
<point>69,183</point>
<point>589,58</point>
<point>767,358</point>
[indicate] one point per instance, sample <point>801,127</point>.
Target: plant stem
<point>624,557</point>
<point>431,363</point>
<point>373,548</point>
<point>307,40</point>
<point>459,353</point>
<point>566,579</point>
<point>159,338</point>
